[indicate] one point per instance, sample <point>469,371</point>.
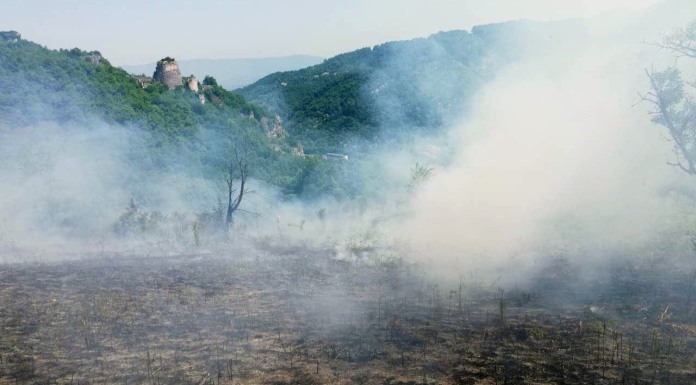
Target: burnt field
<point>301,316</point>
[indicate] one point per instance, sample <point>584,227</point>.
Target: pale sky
<point>141,31</point>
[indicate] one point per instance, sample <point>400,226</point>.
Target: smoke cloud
<point>553,158</point>
<point>557,159</point>
<point>65,185</point>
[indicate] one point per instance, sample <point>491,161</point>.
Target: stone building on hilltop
<point>168,72</point>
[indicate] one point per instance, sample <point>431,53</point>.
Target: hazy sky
<point>138,31</point>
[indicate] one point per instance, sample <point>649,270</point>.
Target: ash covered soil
<point>299,315</point>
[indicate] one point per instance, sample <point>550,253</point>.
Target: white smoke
<point>556,156</point>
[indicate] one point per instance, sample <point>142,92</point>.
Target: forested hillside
<point>288,120</point>
<point>74,85</point>
<point>75,88</point>
<point>421,84</point>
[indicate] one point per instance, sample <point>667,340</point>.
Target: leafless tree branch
<point>235,169</point>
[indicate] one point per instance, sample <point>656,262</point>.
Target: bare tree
<point>673,106</point>
<point>236,169</point>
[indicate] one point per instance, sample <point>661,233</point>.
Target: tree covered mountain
<point>386,91</point>
<point>420,84</point>
<point>75,85</point>
<point>194,131</point>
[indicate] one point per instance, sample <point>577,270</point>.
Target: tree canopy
<point>672,98</point>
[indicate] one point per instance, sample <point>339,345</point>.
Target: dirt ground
<point>301,316</point>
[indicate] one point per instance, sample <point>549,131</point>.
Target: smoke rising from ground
<point>68,183</point>
<point>553,158</point>
<point>68,188</point>
<point>551,226</point>
<point>556,159</point>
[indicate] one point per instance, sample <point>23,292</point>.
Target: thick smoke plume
<point>64,186</point>
<point>556,159</point>
<point>553,158</point>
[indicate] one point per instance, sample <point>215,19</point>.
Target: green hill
<point>74,85</point>
<point>347,104</point>
<point>81,89</point>
<point>421,84</point>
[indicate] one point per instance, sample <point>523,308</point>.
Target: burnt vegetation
<point>281,315</point>
<point>216,303</point>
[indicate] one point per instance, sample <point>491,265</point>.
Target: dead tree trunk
<point>235,169</point>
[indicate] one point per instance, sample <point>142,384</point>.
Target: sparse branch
<point>249,212</point>
<point>681,42</point>
<point>419,175</point>
<point>680,165</point>
<point>237,169</point>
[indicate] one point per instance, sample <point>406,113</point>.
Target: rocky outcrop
<point>298,150</point>
<point>168,72</point>
<point>10,36</point>
<point>143,80</point>
<point>96,57</point>
<point>192,83</point>
<point>275,130</point>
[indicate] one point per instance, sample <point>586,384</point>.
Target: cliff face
<point>167,72</point>
<point>193,83</point>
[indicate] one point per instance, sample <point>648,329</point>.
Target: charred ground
<point>281,315</point>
